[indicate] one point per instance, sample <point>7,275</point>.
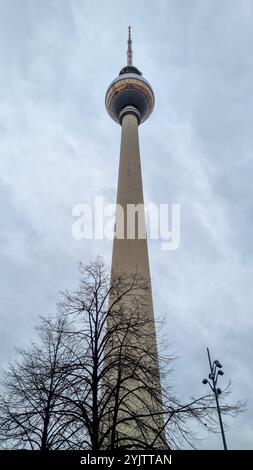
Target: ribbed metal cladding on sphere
<point>129,89</point>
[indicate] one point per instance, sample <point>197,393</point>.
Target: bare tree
<point>32,415</point>
<point>94,382</point>
<point>123,403</point>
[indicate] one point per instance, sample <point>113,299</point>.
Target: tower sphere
<point>129,91</point>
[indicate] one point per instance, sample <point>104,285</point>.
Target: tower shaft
<point>130,257</point>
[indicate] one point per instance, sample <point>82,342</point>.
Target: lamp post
<point>215,371</point>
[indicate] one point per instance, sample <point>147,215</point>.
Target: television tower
<point>130,101</point>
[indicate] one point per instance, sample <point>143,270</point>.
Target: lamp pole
<point>215,371</point>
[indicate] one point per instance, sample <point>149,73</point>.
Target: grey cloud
<point>58,148</point>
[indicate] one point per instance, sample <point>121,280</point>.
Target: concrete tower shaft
<point>130,255</point>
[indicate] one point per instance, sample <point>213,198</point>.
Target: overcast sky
<point>58,147</point>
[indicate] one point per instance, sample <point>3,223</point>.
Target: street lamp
<point>215,371</point>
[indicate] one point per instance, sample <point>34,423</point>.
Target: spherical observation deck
<point>129,89</point>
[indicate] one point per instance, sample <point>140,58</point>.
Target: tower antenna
<point>129,48</point>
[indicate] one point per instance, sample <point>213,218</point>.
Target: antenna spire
<point>129,48</point>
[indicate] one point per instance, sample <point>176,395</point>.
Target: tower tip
<point>129,48</point>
